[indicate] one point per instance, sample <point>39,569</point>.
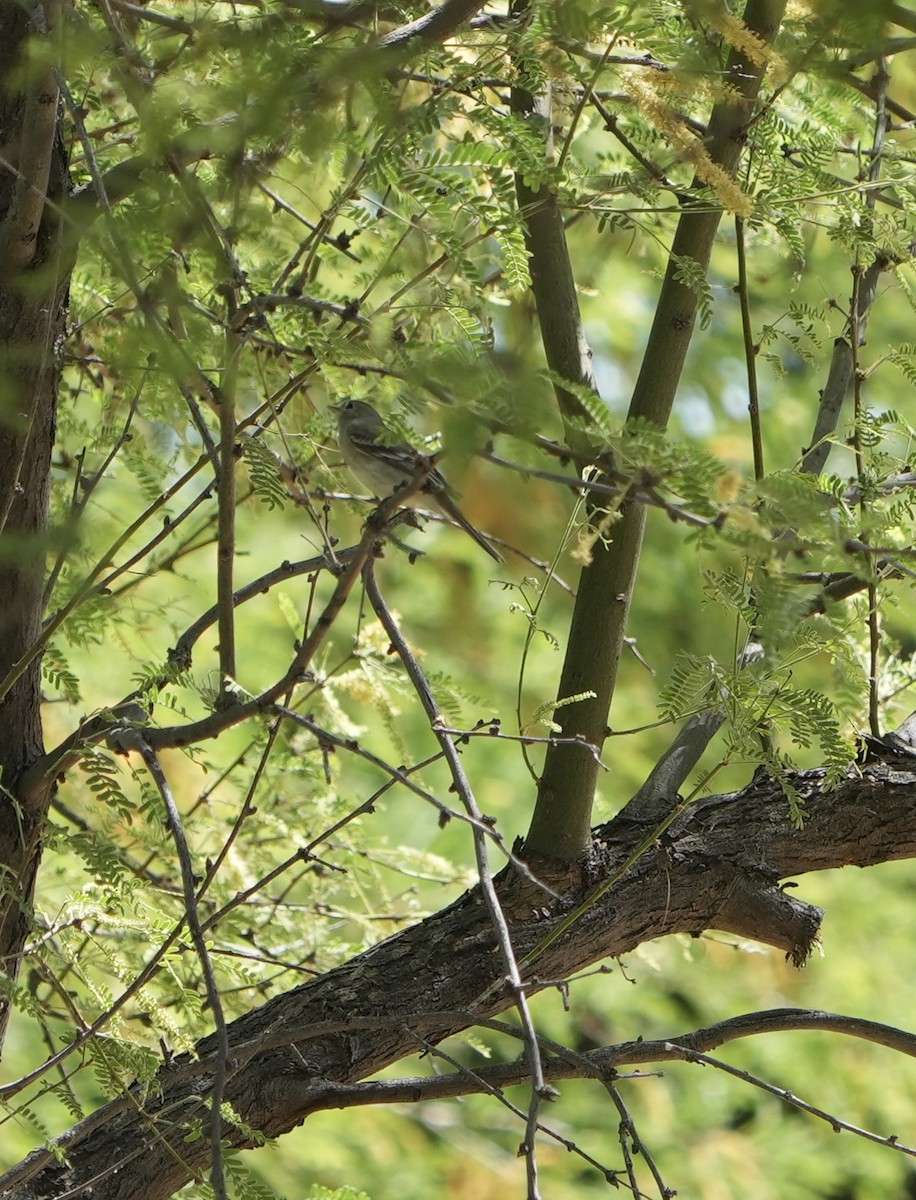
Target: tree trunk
<point>33,299</point>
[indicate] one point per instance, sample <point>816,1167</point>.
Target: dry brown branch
<point>719,867</point>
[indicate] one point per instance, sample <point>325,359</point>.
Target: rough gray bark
<point>33,297</point>
<point>718,866</point>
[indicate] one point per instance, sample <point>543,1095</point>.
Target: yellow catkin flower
<point>599,529</point>
<point>728,487</point>
<point>667,122</point>
<point>734,31</point>
<point>727,192</point>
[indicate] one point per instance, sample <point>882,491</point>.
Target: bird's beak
<point>335,408</point>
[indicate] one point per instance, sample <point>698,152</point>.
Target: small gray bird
<point>384,467</point>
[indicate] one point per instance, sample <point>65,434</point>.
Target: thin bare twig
<point>627,1133</point>
<point>341,242</point>
<point>540,1090</point>
<point>478,1079</point>
<point>189,887</point>
<point>90,585</point>
<point>83,489</point>
<point>217,722</point>
<point>243,814</point>
<point>632,491</point>
<point>836,1124</point>
<point>612,126</point>
<point>491,729</point>
<point>397,774</point>
<point>750,350</point>
<point>226,503</point>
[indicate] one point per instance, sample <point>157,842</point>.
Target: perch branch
<point>360,1017</point>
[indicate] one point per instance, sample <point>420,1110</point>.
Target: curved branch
<point>605,1062</point>
<point>719,867</point>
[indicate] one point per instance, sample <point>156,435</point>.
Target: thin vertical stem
<point>226,499</point>
<point>874,631</point>
<point>188,883</point>
<point>881,81</point>
<point>750,351</point>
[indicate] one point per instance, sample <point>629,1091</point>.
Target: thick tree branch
<point>599,619</point>
<point>839,376</point>
<point>32,311</point>
<point>559,825</point>
<point>719,868</point>
<point>33,158</point>
<point>659,794</point>
<point>436,25</point>
<point>669,773</point>
<point>552,280</point>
